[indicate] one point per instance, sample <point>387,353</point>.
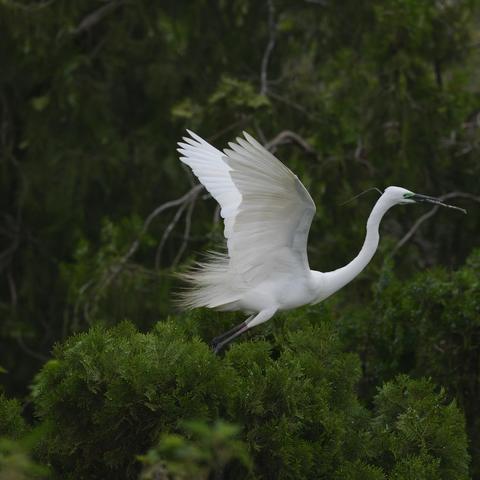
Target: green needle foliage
<point>203,452</point>
<point>428,325</point>
<point>109,395</point>
<point>94,96</point>
<point>17,444</point>
<point>12,424</point>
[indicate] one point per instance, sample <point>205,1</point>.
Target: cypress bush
<point>17,444</point>
<point>426,325</point>
<point>12,423</point>
<point>418,433</point>
<point>110,395</point>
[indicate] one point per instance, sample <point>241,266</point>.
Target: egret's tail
<point>208,284</point>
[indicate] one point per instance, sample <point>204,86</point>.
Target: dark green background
<point>94,96</point>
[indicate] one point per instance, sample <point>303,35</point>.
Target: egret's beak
<point>424,198</point>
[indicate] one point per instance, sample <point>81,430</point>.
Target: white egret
<point>267,214</point>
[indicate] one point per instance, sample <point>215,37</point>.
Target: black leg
<point>225,335</point>
<point>220,345</point>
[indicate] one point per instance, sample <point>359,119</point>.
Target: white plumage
<point>267,214</point>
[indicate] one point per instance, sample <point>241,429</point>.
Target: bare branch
<point>12,231</point>
<point>359,157</point>
<point>430,214</point>
<point>272,27</point>
<point>292,104</point>
<point>287,136</point>
<point>173,203</point>
<point>116,269</point>
<point>228,128</point>
<point>78,303</point>
<point>31,8</point>
<point>90,302</point>
<point>13,290</point>
<point>93,18</point>
<point>28,350</point>
<point>166,234</point>
<point>7,254</point>
<point>259,131</point>
<point>414,228</point>
<point>186,232</point>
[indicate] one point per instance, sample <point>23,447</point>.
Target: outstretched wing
<point>267,210</point>
<point>209,165</point>
<point>270,231</point>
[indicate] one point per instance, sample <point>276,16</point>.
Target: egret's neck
<point>336,279</point>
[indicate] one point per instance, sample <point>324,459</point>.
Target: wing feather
<point>208,164</point>
<point>267,213</point>
<point>274,217</point>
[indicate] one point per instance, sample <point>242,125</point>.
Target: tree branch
<point>186,232</point>
<point>291,104</point>
<point>39,356</point>
<point>430,214</point>
<point>95,17</point>
<point>110,273</point>
<point>272,27</point>
<point>287,136</point>
<point>190,203</point>
<point>32,7</point>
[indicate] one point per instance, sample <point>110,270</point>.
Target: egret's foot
<point>218,342</point>
<point>221,341</point>
<point>216,347</point>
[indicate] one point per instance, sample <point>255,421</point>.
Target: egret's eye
<point>408,195</point>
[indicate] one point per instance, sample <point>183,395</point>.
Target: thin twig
<point>359,157</point>
<point>90,303</point>
<point>28,350</point>
<point>430,214</point>
<point>13,290</point>
<point>414,228</point>
<point>259,131</point>
<point>7,254</point>
<point>78,303</point>
<point>95,17</point>
<point>166,234</point>
<point>291,104</point>
<point>186,232</point>
<point>238,123</point>
<point>287,136</point>
<point>269,48</point>
<point>134,247</point>
<point>32,7</point>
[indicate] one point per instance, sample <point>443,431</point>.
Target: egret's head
<point>399,195</point>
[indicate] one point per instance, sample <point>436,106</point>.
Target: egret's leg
<point>235,329</point>
<point>261,317</point>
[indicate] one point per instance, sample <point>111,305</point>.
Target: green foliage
<point>12,423</point>
<point>239,94</point>
<point>205,451</point>
<point>419,433</point>
<point>298,404</point>
<point>359,471</point>
<point>428,325</point>
<point>110,395</point>
<point>101,281</point>
<point>17,460</point>
<point>111,391</point>
<point>17,444</point>
<point>93,98</point>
